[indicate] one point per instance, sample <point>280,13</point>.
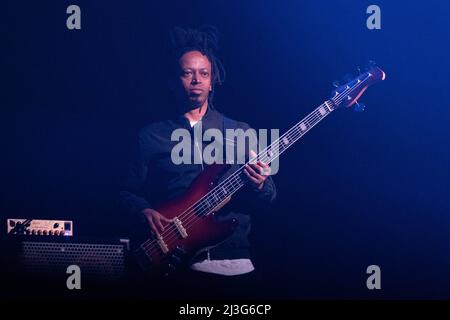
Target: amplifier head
<point>39,227</point>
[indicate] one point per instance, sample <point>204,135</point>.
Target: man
<point>155,178</point>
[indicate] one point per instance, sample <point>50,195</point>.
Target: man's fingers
<point>255,161</point>
<point>263,164</point>
<point>251,170</point>
<point>265,168</point>
<point>255,180</point>
<point>166,219</point>
<point>160,226</point>
<point>253,156</point>
<point>153,227</point>
<point>159,217</point>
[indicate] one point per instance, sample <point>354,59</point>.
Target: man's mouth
<point>195,91</point>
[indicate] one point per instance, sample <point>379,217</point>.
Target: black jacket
<point>154,178</point>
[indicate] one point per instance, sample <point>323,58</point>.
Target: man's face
<point>195,76</point>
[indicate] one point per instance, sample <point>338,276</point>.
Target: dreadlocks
<point>204,40</point>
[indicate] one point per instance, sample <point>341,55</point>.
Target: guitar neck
<point>290,137</point>
<point>238,179</point>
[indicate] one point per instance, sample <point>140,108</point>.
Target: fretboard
<point>238,179</point>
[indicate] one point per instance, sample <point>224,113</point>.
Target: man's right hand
<point>156,220</point>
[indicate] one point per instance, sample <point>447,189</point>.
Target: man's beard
<point>197,102</point>
<point>191,102</point>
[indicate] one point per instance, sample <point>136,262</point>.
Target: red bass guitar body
<point>192,228</point>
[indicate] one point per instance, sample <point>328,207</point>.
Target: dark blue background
<point>360,189</point>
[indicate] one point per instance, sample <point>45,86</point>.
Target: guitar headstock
<point>349,93</point>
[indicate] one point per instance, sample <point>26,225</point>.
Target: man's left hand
<point>257,171</point>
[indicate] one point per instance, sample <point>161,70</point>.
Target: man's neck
<point>197,114</point>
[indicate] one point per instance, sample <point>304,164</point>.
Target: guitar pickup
<point>180,228</point>
<point>162,244</point>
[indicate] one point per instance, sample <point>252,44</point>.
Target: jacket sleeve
<point>132,196</point>
<point>267,193</point>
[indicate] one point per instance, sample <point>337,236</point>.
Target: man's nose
<point>195,78</point>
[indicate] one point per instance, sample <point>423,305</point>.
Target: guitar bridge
<point>143,258</point>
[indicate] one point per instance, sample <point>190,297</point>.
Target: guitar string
<point>236,176</point>
<point>191,216</point>
<point>231,180</point>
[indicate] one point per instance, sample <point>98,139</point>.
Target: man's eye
<point>187,73</point>
<point>205,74</point>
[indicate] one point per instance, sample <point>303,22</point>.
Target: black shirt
<point>154,178</point>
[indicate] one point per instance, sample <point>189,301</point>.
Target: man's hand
<point>154,219</point>
<point>257,172</point>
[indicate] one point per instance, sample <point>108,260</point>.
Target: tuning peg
<point>359,70</point>
<point>359,107</point>
<point>336,84</point>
